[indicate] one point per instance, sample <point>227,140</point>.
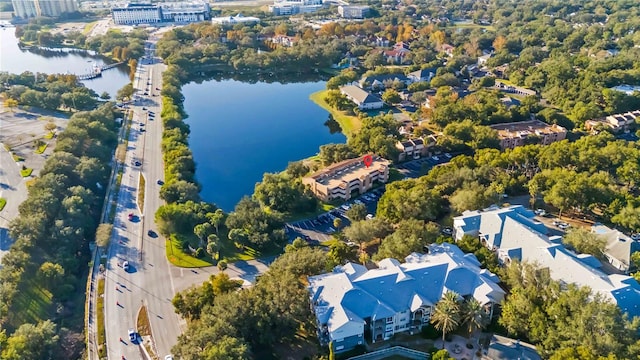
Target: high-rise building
<point>32,8</point>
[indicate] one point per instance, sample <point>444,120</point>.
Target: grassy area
<point>49,136</point>
<point>41,149</point>
<point>88,27</point>
<point>3,202</point>
<point>141,184</point>
<point>348,123</point>
<point>114,198</point>
<point>142,326</point>
<point>395,175</point>
<point>17,158</point>
<point>32,303</point>
<point>26,172</point>
<point>102,336</point>
<point>179,257</point>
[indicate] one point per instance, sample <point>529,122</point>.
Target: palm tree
<point>473,315</point>
<point>446,315</point>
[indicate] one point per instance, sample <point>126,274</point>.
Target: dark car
<point>160,182</point>
<point>144,108</point>
<point>130,216</point>
<point>138,163</point>
<point>151,233</point>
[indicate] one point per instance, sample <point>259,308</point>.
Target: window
<point>339,347</point>
<point>339,340</point>
<point>389,320</point>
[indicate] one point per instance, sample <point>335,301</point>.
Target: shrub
<point>429,332</point>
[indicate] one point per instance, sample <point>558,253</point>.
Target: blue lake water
<point>16,60</point>
<point>240,131</point>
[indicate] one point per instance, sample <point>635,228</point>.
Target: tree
<point>50,126</point>
<point>281,193</point>
<point>216,219</point>
<point>103,234</point>
<point>11,104</point>
<point>411,235</point>
<point>446,315</point>
<point>441,354</point>
<point>585,242</point>
<point>297,169</point>
<point>180,191</point>
<point>226,348</point>
<point>105,96</point>
<point>222,284</point>
<point>125,93</point>
<point>222,265</point>
<point>339,253</point>
<point>499,43</point>
<point>202,231</point>
<point>333,153</point>
<point>31,341</point>
<point>364,231</point>
<point>337,223</point>
<point>473,315</point>
<point>391,96</point>
<point>357,212</point>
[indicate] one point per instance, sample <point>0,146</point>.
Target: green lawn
<point>49,136</point>
<point>102,336</point>
<point>178,257</point>
<point>41,149</point>
<point>3,202</point>
<point>32,303</point>
<point>141,188</point>
<point>348,123</point>
<point>26,172</point>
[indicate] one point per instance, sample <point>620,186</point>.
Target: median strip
<point>141,187</point>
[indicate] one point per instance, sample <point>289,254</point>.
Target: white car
<point>125,266</point>
<point>132,335</point>
<point>168,357</point>
<point>540,212</point>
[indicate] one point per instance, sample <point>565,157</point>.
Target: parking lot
<point>419,167</point>
<point>319,229</point>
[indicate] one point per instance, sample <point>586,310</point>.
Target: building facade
<point>525,132</point>
<point>32,8</point>
<point>353,12</point>
<point>133,14</point>
<point>180,12</point>
<point>287,7</point>
<point>353,305</point>
<point>341,180</point>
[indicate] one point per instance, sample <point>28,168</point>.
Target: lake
<point>240,131</point>
<point>16,60</point>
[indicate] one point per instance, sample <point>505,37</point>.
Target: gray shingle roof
<point>360,95</point>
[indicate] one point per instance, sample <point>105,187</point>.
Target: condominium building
<point>180,12</point>
<point>354,305</point>
<point>288,7</point>
<point>515,234</point>
<point>32,8</point>
<point>616,122</point>
<point>132,14</point>
<point>341,180</point>
<point>525,132</point>
<point>353,12</point>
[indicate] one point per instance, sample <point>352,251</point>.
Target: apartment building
<point>354,305</point>
<point>525,132</point>
<point>32,8</point>
<point>616,122</point>
<point>515,234</point>
<point>341,180</point>
<point>292,7</point>
<point>353,12</point>
<point>132,14</point>
<point>180,12</point>
<point>415,148</point>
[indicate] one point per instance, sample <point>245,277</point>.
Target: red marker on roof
<point>368,160</point>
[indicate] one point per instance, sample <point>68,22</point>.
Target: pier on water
<point>97,71</point>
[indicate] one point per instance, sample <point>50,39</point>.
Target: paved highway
<point>148,281</point>
<point>12,188</point>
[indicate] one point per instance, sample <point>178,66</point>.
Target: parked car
<point>151,233</point>
<point>130,216</point>
<point>125,266</point>
<point>540,212</point>
<point>132,335</point>
<point>447,230</point>
<point>160,182</point>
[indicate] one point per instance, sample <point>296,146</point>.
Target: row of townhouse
<point>516,235</point>
<point>523,132</point>
<point>346,178</point>
<point>353,304</point>
<point>616,122</point>
<point>416,148</point>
